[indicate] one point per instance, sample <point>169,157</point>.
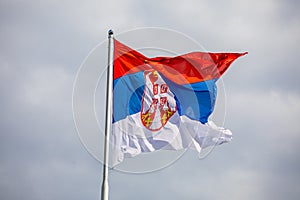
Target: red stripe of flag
<point>184,69</point>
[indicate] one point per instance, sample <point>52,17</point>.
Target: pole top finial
<point>110,32</point>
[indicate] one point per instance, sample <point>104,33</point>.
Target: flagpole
<point>108,121</point>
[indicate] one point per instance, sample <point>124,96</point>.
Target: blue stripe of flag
<point>195,101</point>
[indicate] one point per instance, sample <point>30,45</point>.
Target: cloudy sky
<point>43,43</point>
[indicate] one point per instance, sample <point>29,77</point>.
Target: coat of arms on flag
<point>165,102</point>
<point>158,102</point>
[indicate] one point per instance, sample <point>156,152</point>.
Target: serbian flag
<point>165,102</point>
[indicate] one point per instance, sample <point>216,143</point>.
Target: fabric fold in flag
<point>165,102</point>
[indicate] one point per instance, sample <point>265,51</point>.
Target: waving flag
<point>165,102</point>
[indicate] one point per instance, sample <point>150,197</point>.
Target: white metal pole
<point>109,111</point>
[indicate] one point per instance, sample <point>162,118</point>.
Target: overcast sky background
<point>42,46</point>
